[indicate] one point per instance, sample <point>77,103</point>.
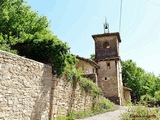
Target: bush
<point>103,105</point>
<point>147,97</point>
<point>89,87</point>
<point>128,104</point>
<point>157,95</point>
<point>141,113</point>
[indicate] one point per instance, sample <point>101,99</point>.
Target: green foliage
<point>62,118</point>
<point>147,97</point>
<point>92,56</point>
<point>71,116</point>
<point>103,105</point>
<point>141,113</point>
<point>157,95</point>
<point>128,104</point>
<point>18,23</point>
<point>89,87</point>
<point>6,47</point>
<point>141,82</point>
<point>83,114</point>
<point>25,31</point>
<point>75,77</point>
<point>74,116</point>
<point>132,76</point>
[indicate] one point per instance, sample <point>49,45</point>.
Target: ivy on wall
<point>75,76</point>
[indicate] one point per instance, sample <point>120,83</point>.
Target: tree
<point>25,31</point>
<point>131,76</point>
<point>142,83</point>
<point>92,56</point>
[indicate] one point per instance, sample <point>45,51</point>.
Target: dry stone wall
<point>25,91</point>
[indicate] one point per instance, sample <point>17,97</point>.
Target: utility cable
<point>120,17</point>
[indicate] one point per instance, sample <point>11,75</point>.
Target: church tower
<point>108,58</point>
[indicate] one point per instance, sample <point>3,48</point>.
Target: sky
<point>75,21</point>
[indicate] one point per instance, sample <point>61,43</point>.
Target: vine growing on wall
<point>75,76</point>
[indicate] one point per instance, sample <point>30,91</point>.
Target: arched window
<point>106,45</point>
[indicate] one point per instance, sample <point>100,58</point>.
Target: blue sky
<point>75,21</point>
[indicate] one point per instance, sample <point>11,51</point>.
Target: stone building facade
<point>127,94</point>
<point>108,58</point>
<point>89,68</point>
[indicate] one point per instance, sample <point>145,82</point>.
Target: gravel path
<point>113,115</point>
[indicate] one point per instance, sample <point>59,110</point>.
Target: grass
<point>141,113</point>
<point>101,106</point>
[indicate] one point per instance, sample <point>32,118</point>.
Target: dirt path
<point>113,115</point>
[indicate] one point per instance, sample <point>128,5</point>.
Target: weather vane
<point>106,26</point>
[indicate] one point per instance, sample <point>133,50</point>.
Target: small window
<point>106,45</point>
<point>93,70</point>
<point>108,65</point>
<point>105,78</point>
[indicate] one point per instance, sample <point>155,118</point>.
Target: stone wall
<point>67,99</point>
<point>24,88</point>
<point>25,91</point>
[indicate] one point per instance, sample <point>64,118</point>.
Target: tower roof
<point>108,34</point>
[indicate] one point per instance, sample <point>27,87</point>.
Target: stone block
<point>2,115</point>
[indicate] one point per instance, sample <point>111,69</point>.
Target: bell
<point>106,26</point>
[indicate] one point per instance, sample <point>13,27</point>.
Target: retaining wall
<point>25,91</point>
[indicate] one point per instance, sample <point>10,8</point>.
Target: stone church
<point>108,58</point>
<point>105,70</point>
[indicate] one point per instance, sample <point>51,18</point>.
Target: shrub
<point>141,113</point>
<point>89,87</point>
<point>157,95</point>
<point>103,105</point>
<point>147,97</point>
<point>128,104</point>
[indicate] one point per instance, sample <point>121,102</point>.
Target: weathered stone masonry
<point>25,91</point>
<point>24,88</point>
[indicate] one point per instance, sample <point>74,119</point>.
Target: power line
<point>120,17</point>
